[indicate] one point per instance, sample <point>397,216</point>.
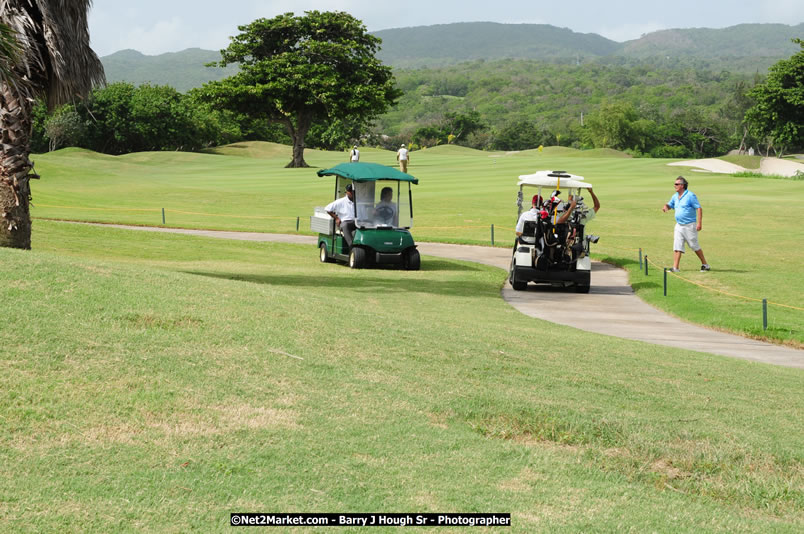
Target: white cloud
<point>627,32</point>
<point>158,26</point>
<point>786,11</point>
<point>163,35</point>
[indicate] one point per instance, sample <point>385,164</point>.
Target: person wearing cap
<point>537,212</point>
<point>532,215</point>
<point>689,221</point>
<point>343,211</point>
<point>403,157</point>
<point>354,154</point>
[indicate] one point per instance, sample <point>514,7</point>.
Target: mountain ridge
<point>744,48</point>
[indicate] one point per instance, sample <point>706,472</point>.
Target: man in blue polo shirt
<point>689,220</point>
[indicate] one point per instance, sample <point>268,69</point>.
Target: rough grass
<point>157,383</point>
<point>750,174</point>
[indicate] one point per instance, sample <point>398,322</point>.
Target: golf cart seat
<point>529,233</point>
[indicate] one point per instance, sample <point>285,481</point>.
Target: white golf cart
<point>549,251</point>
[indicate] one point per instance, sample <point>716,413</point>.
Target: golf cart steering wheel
<point>385,214</point>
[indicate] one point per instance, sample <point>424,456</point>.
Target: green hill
<point>446,44</point>
<point>743,48</point>
<point>736,47</point>
<point>744,40</point>
<point>181,70</point>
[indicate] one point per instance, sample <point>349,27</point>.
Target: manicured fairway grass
<point>748,162</point>
<point>159,382</point>
<point>752,234</point>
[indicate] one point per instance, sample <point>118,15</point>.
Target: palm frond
<point>9,54</point>
<point>57,61</point>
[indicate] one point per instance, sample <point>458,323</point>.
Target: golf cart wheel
<point>357,258</point>
<point>581,288</point>
<point>518,285</point>
<point>413,260</point>
<point>324,255</point>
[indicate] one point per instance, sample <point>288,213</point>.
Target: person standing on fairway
<point>689,221</point>
<point>354,154</point>
<point>403,157</point>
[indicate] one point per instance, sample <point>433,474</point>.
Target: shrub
<point>670,151</point>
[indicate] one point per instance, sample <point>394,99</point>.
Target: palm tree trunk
<point>15,169</point>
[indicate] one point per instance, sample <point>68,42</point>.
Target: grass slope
<point>157,383</point>
<point>745,161</point>
<point>750,234</point>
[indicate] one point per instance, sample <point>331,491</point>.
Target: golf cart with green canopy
<point>383,218</point>
<point>552,250</point>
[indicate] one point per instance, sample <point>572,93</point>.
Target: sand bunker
<point>775,166</point>
<point>780,167</point>
<point>710,165</point>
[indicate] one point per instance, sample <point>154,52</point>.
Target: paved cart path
<point>610,308</point>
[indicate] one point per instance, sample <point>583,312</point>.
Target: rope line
<point>503,228</point>
<point>94,209</point>
<point>705,286</point>
<point>167,210</point>
<point>226,215</point>
<point>723,292</point>
<point>459,227</point>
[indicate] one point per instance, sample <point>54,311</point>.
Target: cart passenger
<point>532,215</point>
<point>596,206</point>
<point>343,211</point>
<point>537,212</point>
<point>564,217</point>
<point>385,212</point>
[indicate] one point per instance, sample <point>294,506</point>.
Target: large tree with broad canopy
<point>778,112</point>
<point>304,70</point>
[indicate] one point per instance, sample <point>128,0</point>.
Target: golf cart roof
<point>367,172</point>
<point>553,179</point>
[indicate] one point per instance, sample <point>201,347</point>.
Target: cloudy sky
<point>158,26</point>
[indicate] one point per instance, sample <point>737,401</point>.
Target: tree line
<point>639,108</point>
<point>501,105</point>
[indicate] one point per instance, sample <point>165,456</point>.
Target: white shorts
<point>685,233</point>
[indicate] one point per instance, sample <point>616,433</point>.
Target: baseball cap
<point>350,187</point>
<point>537,199</point>
<point>403,145</point>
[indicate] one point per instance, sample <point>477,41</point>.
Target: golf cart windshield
<point>383,204</point>
<point>382,193</point>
